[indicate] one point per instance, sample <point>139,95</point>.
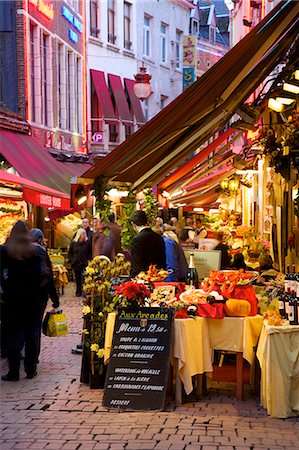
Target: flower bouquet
<point>131,294</point>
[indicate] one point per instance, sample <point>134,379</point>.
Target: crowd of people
<point>27,280</point>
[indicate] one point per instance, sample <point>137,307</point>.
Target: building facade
<point>121,37</point>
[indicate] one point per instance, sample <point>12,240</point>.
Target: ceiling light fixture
<point>275,105</point>
<point>291,86</point>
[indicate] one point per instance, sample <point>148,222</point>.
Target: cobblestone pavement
<point>55,411</point>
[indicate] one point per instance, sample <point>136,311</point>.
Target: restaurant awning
<point>205,107</point>
<point>106,110</point>
<point>36,193</point>
<point>135,102</point>
<point>120,99</point>
<point>35,163</point>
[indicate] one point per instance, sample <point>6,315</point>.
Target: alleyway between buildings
<point>55,411</point>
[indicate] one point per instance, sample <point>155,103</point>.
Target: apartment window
<point>77,96</point>
<point>163,41</point>
<point>96,123</point>
<point>113,133</point>
<point>127,26</point>
<point>128,131</point>
<point>163,100</point>
<point>212,34</point>
<point>94,25</point>
<point>68,91</point>
<point>60,83</point>
<point>178,49</point>
<point>32,72</point>
<point>146,36</point>
<point>111,22</point>
<point>194,27</point>
<point>45,81</point>
<point>146,109</point>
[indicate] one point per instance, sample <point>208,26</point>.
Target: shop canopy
<point>36,193</point>
<point>35,163</point>
<point>179,130</point>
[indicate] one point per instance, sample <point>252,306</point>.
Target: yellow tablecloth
<point>236,334</point>
<point>191,347</point>
<point>278,355</point>
<point>193,340</point>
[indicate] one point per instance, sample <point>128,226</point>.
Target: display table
<point>193,340</point>
<point>278,355</point>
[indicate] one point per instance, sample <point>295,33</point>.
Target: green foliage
<point>151,207</point>
<point>127,229</point>
<point>102,204</point>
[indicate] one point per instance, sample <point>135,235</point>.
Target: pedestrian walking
<point>47,288</point>
<point>78,256</point>
<point>102,240</point>
<point>21,278</point>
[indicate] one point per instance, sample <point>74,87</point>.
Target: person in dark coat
<point>225,256</point>
<point>78,256</point>
<point>48,288</point>
<point>147,246</point>
<point>21,276</point>
<point>89,233</point>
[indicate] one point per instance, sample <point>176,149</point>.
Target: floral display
<point>131,294</point>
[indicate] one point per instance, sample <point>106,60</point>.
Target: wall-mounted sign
<point>97,137</point>
<point>188,76</point>
<point>189,51</point>
<point>45,200</point>
<point>66,13</point>
<point>45,7</point>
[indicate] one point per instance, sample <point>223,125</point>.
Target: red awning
<point>120,98</point>
<point>135,102</point>
<point>36,193</point>
<point>191,164</point>
<point>35,163</point>
<point>106,110</point>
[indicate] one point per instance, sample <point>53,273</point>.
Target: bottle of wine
<point>293,310</point>
<point>287,280</point>
<point>192,275</point>
<point>287,305</point>
<point>211,299</point>
<point>281,303</point>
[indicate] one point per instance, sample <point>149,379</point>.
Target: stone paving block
<point>55,445</point>
<point>101,446</point>
<point>162,445</point>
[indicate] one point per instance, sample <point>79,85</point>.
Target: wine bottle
<point>287,281</point>
<point>293,282</point>
<point>287,305</point>
<point>211,299</point>
<point>192,275</point>
<point>281,303</point>
<point>293,310</point>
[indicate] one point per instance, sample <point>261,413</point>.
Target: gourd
<point>237,308</point>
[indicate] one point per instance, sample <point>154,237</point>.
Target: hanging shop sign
<point>46,8</point>
<point>139,361</point>
<point>189,51</point>
<point>188,76</point>
<point>97,137</point>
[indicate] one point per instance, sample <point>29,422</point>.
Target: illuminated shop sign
<point>46,8</point>
<point>66,13</point>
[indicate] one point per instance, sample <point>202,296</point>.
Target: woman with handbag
<point>79,253</point>
<point>21,269</point>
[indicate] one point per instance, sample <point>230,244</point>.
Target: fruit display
<point>153,274</point>
<point>274,318</point>
<point>227,280</point>
<point>10,213</point>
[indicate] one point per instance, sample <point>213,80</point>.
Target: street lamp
<point>142,87</point>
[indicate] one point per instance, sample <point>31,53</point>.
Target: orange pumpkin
<point>237,308</point>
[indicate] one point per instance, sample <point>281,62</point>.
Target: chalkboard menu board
<point>139,361</point>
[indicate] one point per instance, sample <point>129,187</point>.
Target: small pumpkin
<point>237,308</point>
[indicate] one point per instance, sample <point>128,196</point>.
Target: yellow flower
<point>85,331</point>
<point>100,353</point>
<point>90,270</point>
<point>101,314</point>
<point>86,310</point>
<point>94,347</point>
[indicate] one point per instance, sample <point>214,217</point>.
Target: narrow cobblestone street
<point>56,411</point>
